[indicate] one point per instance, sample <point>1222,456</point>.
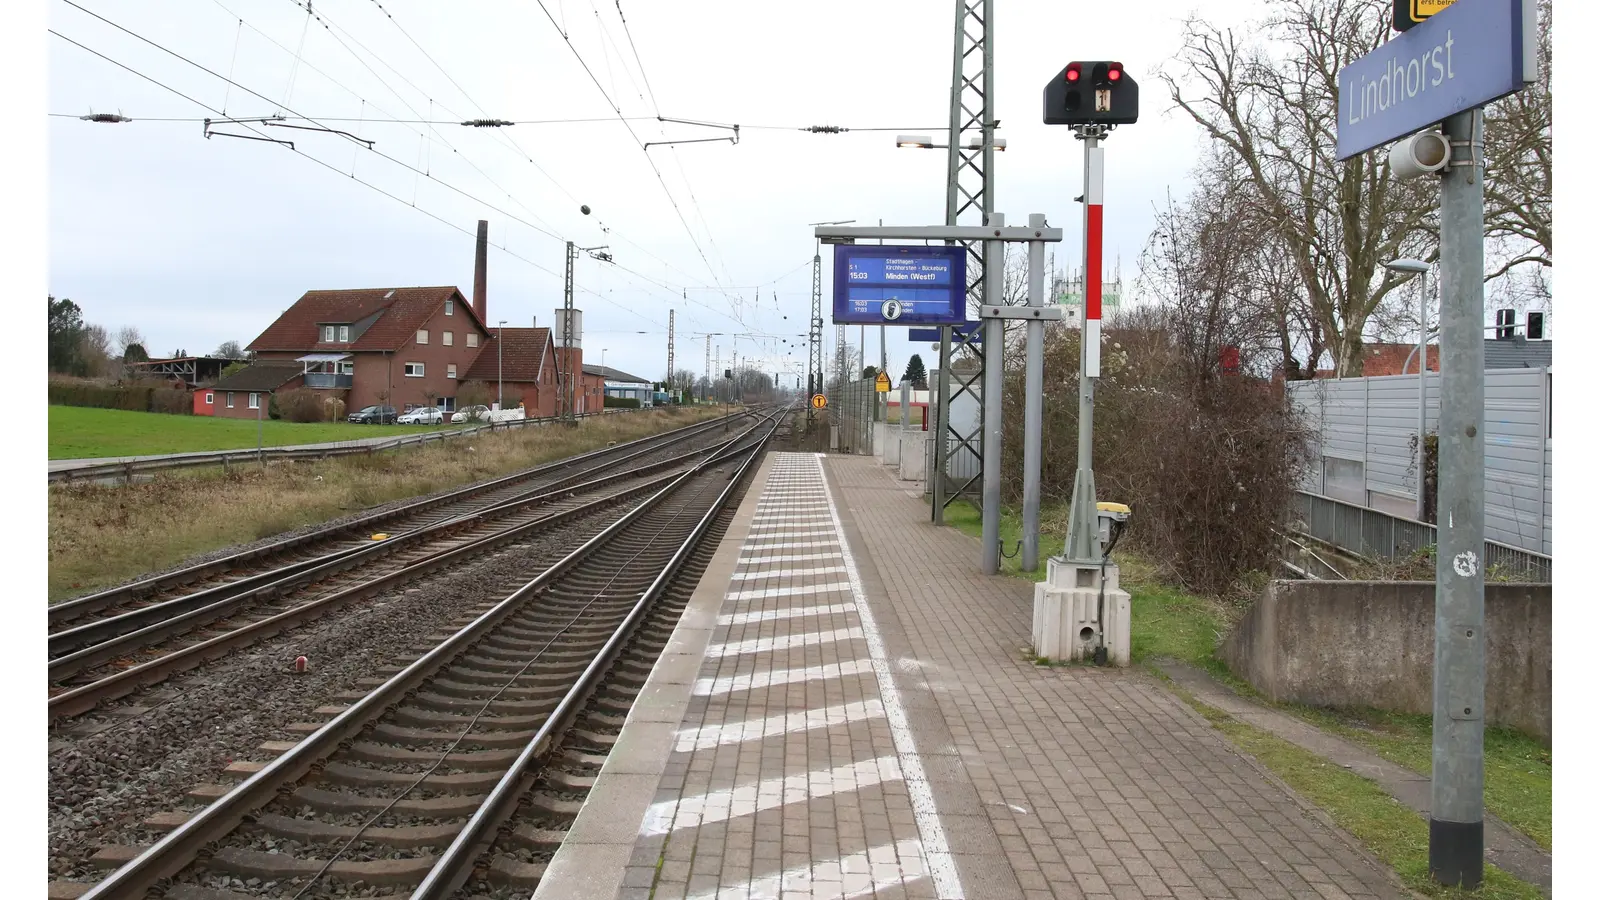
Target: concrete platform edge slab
<point>590,863</point>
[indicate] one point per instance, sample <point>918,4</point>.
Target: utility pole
<point>969,192</point>
<point>703,397</point>
<point>671,322</point>
<point>569,401</point>
<point>1455,826</point>
<point>814,355</point>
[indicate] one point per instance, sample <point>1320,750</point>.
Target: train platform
<point>848,709</point>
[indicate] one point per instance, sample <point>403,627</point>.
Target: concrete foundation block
<point>1066,614</point>
<point>913,455</point>
<point>891,445</point>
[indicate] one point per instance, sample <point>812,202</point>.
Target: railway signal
<point>1092,93</point>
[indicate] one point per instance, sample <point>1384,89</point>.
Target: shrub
<point>621,402</point>
<point>301,405</point>
<point>473,393</point>
<point>135,396</point>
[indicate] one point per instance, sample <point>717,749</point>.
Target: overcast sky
<point>198,241</point>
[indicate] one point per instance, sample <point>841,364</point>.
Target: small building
<point>247,393</point>
<point>620,384</point>
<point>520,365</point>
<point>188,371</point>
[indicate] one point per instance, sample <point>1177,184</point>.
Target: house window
<point>450,370</point>
<point>327,334</point>
<point>413,370</point>
<point>448,404</point>
<point>449,339</point>
<point>347,368</point>
<point>472,339</point>
<point>344,334</point>
<point>255,400</point>
<point>450,307</point>
<point>210,399</point>
<point>230,399</point>
<point>422,335</point>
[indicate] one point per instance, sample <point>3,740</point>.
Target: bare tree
<point>230,350</point>
<point>1517,168</point>
<point>1270,101</point>
<point>127,336</point>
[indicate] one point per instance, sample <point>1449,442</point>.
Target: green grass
<point>1168,622</point>
<point>1391,831</point>
<point>82,433</point>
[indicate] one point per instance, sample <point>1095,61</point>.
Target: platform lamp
<point>1418,267</point>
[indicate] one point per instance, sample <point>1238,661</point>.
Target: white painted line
<point>946,881</point>
<point>769,793</point>
<point>783,558</point>
<point>806,528</point>
<point>824,878</point>
<point>790,516</point>
<point>787,573</point>
<point>788,723</point>
<point>788,641</point>
<point>707,687</point>
<point>793,591</point>
<point>782,544</point>
<point>794,612</point>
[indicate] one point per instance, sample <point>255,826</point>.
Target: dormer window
<point>327,334</point>
<point>344,334</point>
<point>336,333</point>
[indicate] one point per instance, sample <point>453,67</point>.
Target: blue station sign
<point>891,285</point>
<point>1470,54</point>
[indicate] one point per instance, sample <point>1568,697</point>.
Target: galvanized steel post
<point>1033,409</point>
<point>993,347</point>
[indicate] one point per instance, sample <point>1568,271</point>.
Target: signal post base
<point>1066,614</point>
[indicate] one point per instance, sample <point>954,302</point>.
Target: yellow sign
<point>1408,13</point>
<point>1421,9</point>
<point>819,402</point>
<point>883,382</point>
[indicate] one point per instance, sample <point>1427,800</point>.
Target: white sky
<point>199,241</point>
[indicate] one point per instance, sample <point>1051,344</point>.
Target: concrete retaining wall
<point>1370,644</point>
<point>913,455</point>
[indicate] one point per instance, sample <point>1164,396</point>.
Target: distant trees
<point>66,330</point>
<point>916,373</point>
<point>230,350</point>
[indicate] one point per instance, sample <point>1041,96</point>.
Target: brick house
<point>247,393</point>
<point>524,368</point>
<point>401,347</point>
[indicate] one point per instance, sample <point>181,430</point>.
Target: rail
<point>131,467</point>
<point>1374,533</point>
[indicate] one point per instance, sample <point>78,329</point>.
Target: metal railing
<point>1377,534</point>
<point>329,380</point>
<point>131,467</point>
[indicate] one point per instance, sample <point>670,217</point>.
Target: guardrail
<point>1374,533</point>
<point>131,467</point>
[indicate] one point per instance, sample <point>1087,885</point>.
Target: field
<point>78,432</point>
<point>101,535</point>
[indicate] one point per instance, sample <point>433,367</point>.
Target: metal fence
<point>1377,534</point>
<point>851,407</point>
<point>128,468</point>
<point>1363,452</point>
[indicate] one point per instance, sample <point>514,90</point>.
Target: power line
<point>341,173</point>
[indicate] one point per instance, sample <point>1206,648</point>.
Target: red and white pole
<point>1083,544</point>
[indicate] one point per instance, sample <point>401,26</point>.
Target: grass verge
<point>1168,622</point>
<point>101,535</point>
<point>1391,831</point>
<point>78,432</point>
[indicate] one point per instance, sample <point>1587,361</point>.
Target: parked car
<point>471,414</point>
<point>379,415</point>
<point>422,415</point>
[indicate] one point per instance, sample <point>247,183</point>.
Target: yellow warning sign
<point>883,382</point>
<point>1421,9</point>
<point>818,401</point>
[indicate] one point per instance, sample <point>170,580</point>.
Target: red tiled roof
<point>1389,359</point>
<point>524,356</point>
<point>402,312</point>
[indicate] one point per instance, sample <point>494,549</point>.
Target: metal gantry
<point>814,358</point>
<point>969,199</point>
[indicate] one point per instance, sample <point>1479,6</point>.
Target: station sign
<point>1471,53</point>
<point>893,285</point>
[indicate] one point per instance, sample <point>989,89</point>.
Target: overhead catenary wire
<point>332,168</point>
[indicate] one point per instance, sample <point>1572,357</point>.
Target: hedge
<point>138,398</point>
<point>622,402</point>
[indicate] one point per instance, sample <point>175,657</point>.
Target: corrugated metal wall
<point>1364,428</point>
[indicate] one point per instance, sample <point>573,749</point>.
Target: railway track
<point>308,548</point>
<point>116,653</point>
<point>462,767</point>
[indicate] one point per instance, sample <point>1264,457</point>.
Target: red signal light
<point>1114,75</point>
<point>1072,74</point>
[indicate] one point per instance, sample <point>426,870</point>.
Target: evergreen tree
<point>916,373</point>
